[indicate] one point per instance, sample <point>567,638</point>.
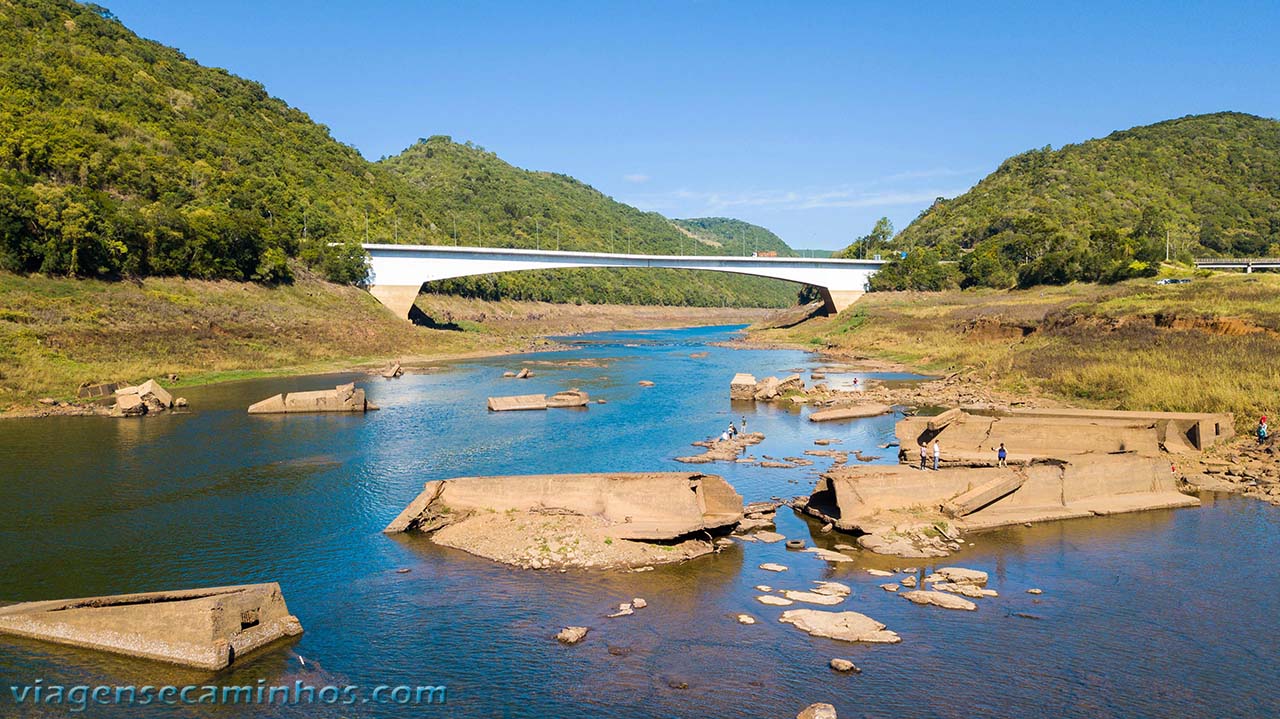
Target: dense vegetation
<point>482,200</point>
<point>1102,210</point>
<point>734,237</point>
<point>122,157</point>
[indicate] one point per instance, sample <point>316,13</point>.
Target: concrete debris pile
<point>576,520</point>
<point>560,400</point>
<point>146,398</point>
<point>343,398</point>
<point>392,370</point>
<point>200,628</point>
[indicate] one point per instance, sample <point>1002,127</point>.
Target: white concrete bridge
<point>1248,264</point>
<point>397,272</point>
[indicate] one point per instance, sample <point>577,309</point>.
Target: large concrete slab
<point>636,505</point>
<point>201,628</point>
<point>343,398</point>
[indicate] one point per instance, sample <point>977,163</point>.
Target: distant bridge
<point>397,272</point>
<point>1248,264</point>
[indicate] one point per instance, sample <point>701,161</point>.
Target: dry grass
<point>1208,346</point>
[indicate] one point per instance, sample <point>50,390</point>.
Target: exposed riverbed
<point>1166,613</point>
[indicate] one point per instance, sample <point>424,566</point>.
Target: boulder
<point>746,619</point>
<point>773,601</point>
<point>843,626</point>
<point>524,373</point>
<point>180,402</point>
<point>791,383</point>
<point>960,575</point>
<point>639,603</point>
<point>772,567</point>
<point>572,635</point>
<point>817,711</point>
<point>766,389</point>
<point>833,588</point>
<point>202,628</point>
<point>939,599</point>
<point>889,587</point>
<point>844,665</point>
<point>812,597</point>
<point>742,387</point>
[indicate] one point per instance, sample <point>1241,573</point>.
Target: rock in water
<point>746,619</point>
<point>773,601</point>
<point>844,626</point>
<point>769,537</point>
<point>639,603</point>
<point>829,555</point>
<point>624,610</point>
<point>879,573</point>
<point>818,711</point>
<point>1035,591</point>
<point>835,589</point>
<point>960,575</point>
<point>844,665</point>
<point>812,597</point>
<point>771,567</point>
<point>889,587</point>
<point>939,599</point>
<point>572,635</point>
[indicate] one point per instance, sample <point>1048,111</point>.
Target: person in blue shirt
<point>1001,455</point>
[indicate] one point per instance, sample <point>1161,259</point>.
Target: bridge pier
<point>398,298</point>
<point>837,300</point>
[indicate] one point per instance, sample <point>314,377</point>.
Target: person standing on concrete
<point>924,457</point>
<point>937,455</point>
<point>1001,456</point>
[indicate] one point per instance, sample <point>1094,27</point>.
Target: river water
<point>1159,614</point>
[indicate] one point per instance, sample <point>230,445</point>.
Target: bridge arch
<point>398,272</point>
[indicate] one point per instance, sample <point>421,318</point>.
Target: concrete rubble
<point>820,710</point>
<point>146,398</point>
<point>723,450</point>
<point>343,398</point>
<point>200,628</point>
<point>392,370</point>
<point>857,411</point>
<point>1062,464</point>
<point>938,599</point>
<point>576,520</point>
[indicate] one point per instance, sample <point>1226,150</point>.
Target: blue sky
<point>812,119</point>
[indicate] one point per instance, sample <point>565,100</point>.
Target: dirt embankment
<point>57,333</point>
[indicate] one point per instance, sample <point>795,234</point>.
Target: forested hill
<point>476,198</point>
<point>734,236</point>
<point>122,157</point>
<point>1209,183</point>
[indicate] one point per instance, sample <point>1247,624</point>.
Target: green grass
<point>1206,346</point>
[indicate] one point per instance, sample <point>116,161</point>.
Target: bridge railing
<point>1237,260</point>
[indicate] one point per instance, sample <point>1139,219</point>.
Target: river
<point>1156,614</point>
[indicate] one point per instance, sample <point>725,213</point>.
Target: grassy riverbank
<point>56,333</point>
<point>1211,345</point>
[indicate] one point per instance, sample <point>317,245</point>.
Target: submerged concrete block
<point>742,387</point>
<point>201,628</point>
<point>343,398</point>
<point>517,403</point>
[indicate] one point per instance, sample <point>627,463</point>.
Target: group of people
<point>732,431</point>
<point>1002,455</point>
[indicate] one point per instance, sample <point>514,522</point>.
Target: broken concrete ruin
<point>201,628</point>
<point>343,398</point>
<point>576,520</point>
<point>392,370</point>
<point>515,403</point>
<point>967,437</point>
<point>146,398</point>
<point>636,505</point>
<point>744,387</point>
<point>1063,464</point>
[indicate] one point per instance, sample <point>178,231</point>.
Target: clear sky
<point>812,119</point>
